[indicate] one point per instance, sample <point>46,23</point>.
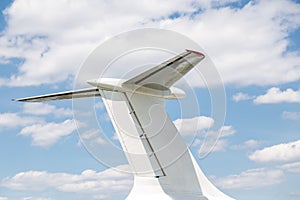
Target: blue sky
<point>255,46</point>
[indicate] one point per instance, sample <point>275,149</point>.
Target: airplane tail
<point>161,162</point>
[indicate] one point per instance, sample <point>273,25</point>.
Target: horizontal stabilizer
<point>166,74</point>
<point>88,92</point>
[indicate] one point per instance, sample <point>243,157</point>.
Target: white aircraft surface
<point>160,160</point>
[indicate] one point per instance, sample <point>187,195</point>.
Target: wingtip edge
<point>195,52</point>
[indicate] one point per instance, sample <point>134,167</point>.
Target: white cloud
<point>51,50</point>
<point>3,198</point>
<point>206,140</point>
<point>214,141</point>
<point>42,133</point>
<point>47,134</point>
<point>251,179</point>
<point>12,120</point>
<point>251,42</point>
<point>108,183</point>
<point>291,167</point>
<point>220,145</point>
<point>214,3</point>
<point>284,152</point>
<point>196,142</point>
<point>45,109</point>
<point>193,126</point>
<point>94,136</point>
<point>249,144</point>
<point>241,97</point>
<point>244,50</point>
<point>227,131</point>
<point>36,198</point>
<point>290,115</point>
<point>275,95</point>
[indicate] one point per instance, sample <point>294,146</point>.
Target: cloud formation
<point>14,120</point>
<point>193,126</point>
<point>249,144</point>
<point>199,128</point>
<point>252,40</point>
<point>108,183</point>
<point>32,121</point>
<point>45,109</point>
<point>47,134</point>
<point>285,152</point>
<point>291,167</point>
<point>219,145</point>
<point>251,179</point>
<point>275,95</point>
<point>241,97</point>
<point>50,49</point>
